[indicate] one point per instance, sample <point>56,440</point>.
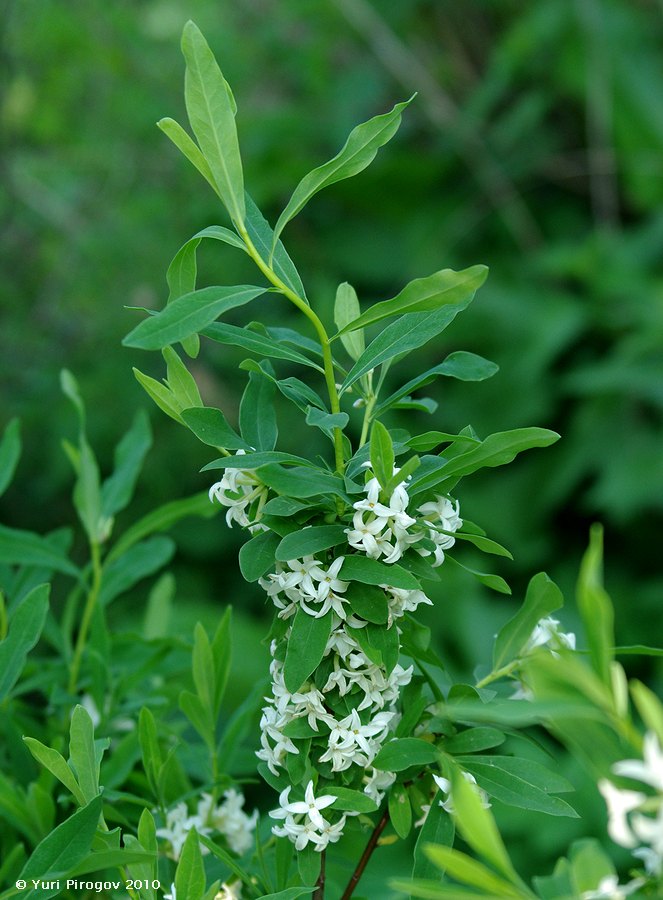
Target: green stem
<point>86,620</point>
<point>370,405</point>
<point>497,673</point>
<point>323,337</point>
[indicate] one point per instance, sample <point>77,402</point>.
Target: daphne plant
<point>353,732</point>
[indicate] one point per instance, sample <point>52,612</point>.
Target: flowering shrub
<point>361,728</point>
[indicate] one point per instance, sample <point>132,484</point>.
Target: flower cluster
<point>227,818</point>
<point>546,633</point>
<point>387,530</point>
<point>635,819</point>
<point>343,714</point>
<point>444,787</point>
<point>244,495</point>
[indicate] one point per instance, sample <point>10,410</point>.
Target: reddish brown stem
<point>319,892</point>
<point>366,855</point>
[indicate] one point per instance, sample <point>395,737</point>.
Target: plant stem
<point>323,337</point>
<point>90,605</point>
<point>319,892</point>
<point>366,855</point>
<point>370,404</point>
<point>496,673</point>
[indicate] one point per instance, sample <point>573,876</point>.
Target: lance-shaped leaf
<point>257,413</point>
<point>19,547</point>
<point>543,598</point>
<point>10,451</point>
<point>358,152</point>
<point>443,288</point>
<point>306,647</point>
<point>211,427</point>
<point>256,343</point>
<point>309,541</point>
<point>382,454</point>
<point>596,607</point>
<point>401,753</point>
<point>25,629</point>
<point>117,490</point>
<point>346,310</point>
<point>407,333</point>
<point>262,236</point>
<point>460,364</point>
<point>189,314</point>
<point>211,112</point>
<point>188,147</point>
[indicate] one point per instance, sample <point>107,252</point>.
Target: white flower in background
<point>620,803</point>
<point>610,889</point>
<point>229,891</point>
<point>227,818</point>
<point>546,633</point>
<point>650,769</point>
<point>178,824</point>
<point>173,893</point>
<point>445,786</point>
<point>240,489</point>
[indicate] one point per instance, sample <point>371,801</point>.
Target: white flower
<point>178,824</point>
<point>229,819</point>
<point>610,889</point>
<point>547,633</point>
<point>229,891</point>
<point>649,771</point>
<point>445,786</point>
<point>173,893</point>
<point>239,489</point>
<point>619,804</point>
<point>310,806</point>
<point>377,783</point>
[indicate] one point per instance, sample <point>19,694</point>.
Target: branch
<point>319,892</point>
<point>366,855</point>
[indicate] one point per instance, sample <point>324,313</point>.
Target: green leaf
<point>190,873</point>
<point>595,607</point>
<point>650,708</point>
<point>188,315</point>
<point>137,562</point>
<point>494,582</point>
<point>401,753</point>
<point>257,414</point>
<point>308,864</point>
<point>400,811</point>
<point>187,146</point>
<point>82,753</point>
<point>161,519</point>
<point>302,482</point>
<point>306,647</point>
<point>432,439</point>
<point>256,557</point>
<point>226,858</point>
<point>262,237</point>
<point>438,828</point>
<point>222,655</point>
<point>469,871</point>
<point>443,288</point>
<point>474,739</point>
<point>404,472</point>
<point>160,394</point>
<point>460,364</point>
<point>204,676</point>
<point>373,571</point>
<point>309,541</point>
<point>111,859</point>
<point>117,490</point>
<point>10,452</point>
<point>589,865</point>
<point>407,333</point>
<point>380,644</point>
<point>543,598</point>
<point>211,427</point>
<point>496,450</point>
<point>62,850</point>
<point>477,826</point>
<point>149,745</point>
<point>382,454</point>
<point>289,893</point>
<point>26,625</point>
<point>520,782</point>
<point>87,493</point>
<point>358,152</point>
<point>211,114</point>
<point>56,764</point>
<point>256,343</point>
<point>326,421</point>
<point>253,460</point>
<point>180,381</point>
<point>368,601</point>
<point>347,799</point>
<point>346,310</point>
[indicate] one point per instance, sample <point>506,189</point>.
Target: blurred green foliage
<point>535,145</point>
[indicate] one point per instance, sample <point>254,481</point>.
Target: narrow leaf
<point>188,315</point>
<point>25,629</point>
<point>311,540</point>
<point>543,598</point>
<point>10,452</point>
<point>306,647</point>
<point>257,415</point>
<point>211,427</point>
<point>358,152</point>
<point>210,110</point>
<point>401,753</point>
<point>346,310</point>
